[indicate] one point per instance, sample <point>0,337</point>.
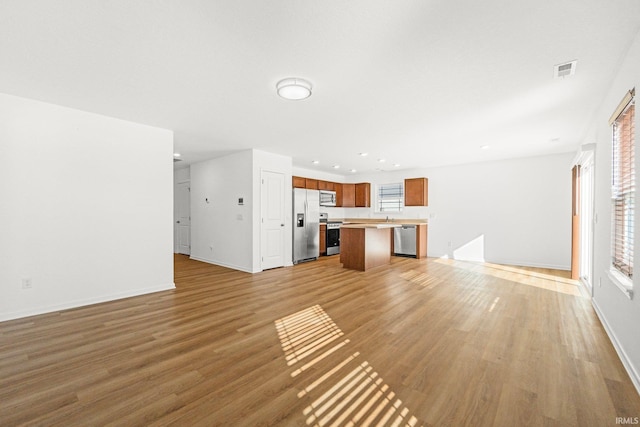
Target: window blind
<point>390,197</point>
<point>623,186</point>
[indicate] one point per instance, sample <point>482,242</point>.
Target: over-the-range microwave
<point>327,198</point>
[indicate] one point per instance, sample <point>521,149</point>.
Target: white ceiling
<point>418,83</point>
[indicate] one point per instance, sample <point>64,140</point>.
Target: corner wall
<point>86,208</point>
<point>619,314</point>
<point>221,228</point>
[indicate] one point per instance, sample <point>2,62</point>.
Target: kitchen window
<point>390,198</point>
<point>623,193</point>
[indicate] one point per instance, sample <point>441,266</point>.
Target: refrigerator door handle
<point>306,215</point>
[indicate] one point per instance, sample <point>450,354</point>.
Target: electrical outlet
<point>27,283</point>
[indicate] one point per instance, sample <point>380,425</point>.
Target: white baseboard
<point>222,264</point>
<point>631,370</point>
<point>529,264</point>
<point>81,303</point>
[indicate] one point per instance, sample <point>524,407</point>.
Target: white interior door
<point>273,217</point>
<point>183,218</point>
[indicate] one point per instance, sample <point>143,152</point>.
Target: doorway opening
<point>583,183</point>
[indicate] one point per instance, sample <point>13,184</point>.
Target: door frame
<point>583,206</point>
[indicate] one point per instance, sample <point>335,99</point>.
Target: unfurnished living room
<point>298,213</point>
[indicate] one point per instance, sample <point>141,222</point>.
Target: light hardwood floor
<point>420,342</point>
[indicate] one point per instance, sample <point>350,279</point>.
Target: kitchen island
<point>364,246</point>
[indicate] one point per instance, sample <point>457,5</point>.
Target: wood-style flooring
<point>419,342</point>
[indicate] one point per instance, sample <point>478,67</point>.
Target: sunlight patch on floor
<point>303,333</point>
<point>353,395</point>
<point>528,276</point>
<point>423,279</point>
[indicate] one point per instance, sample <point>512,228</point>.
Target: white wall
<point>86,208</point>
<point>221,229</point>
<point>620,315</point>
<point>512,211</point>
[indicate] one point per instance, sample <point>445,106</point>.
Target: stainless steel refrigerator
<point>306,225</point>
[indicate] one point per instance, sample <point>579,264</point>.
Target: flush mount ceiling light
<point>294,88</point>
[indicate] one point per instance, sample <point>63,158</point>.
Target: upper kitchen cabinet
<point>348,196</point>
<point>299,182</point>
<point>326,185</point>
<point>337,187</point>
<point>311,184</point>
<point>363,195</point>
<point>308,183</point>
<point>416,192</point>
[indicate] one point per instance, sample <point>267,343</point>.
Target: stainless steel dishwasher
<point>404,241</point>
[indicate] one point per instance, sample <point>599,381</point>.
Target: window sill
<point>623,283</point>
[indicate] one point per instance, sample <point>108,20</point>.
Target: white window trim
<point>377,197</point>
<point>621,281</point>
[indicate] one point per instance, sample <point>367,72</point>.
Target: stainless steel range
<point>333,237</point>
<point>333,234</point>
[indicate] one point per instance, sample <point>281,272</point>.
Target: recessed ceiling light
<point>396,165</point>
<point>336,166</point>
<point>381,160</point>
<point>364,154</point>
<point>176,154</point>
<point>315,162</point>
<point>484,147</point>
<point>294,88</point>
<point>353,171</point>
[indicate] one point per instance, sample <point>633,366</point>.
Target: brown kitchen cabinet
<point>299,182</point>
<point>338,189</point>
<point>416,192</point>
<point>311,184</point>
<point>348,196</point>
<point>323,239</point>
<point>326,185</point>
<point>421,241</point>
<point>363,195</point>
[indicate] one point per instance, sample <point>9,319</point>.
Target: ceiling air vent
<point>564,70</point>
<point>176,160</point>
